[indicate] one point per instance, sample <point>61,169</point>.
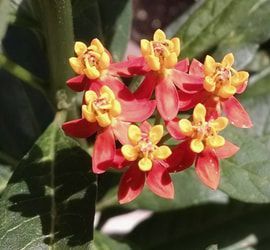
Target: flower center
<point>102,109</point>
<point>222,76</point>
<point>146,147</point>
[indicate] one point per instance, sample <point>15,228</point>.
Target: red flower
<point>162,72</point>
<point>91,64</point>
<point>201,144</point>
<point>146,163</point>
<point>221,82</point>
<point>108,110</point>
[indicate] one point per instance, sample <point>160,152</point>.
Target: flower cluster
<point>112,113</point>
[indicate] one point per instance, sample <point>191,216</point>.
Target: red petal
<point>159,181</point>
<point>119,160</point>
<point>236,113</point>
<point>104,151</point>
<point>167,99</point>
<point>196,68</point>
<point>185,82</point>
<point>226,151</point>
<point>181,158</point>
<point>133,66</point>
<point>188,101</point>
<point>120,130</point>
<point>242,88</point>
<point>137,110</point>
<point>78,83</point>
<point>145,90</point>
<point>182,65</point>
<point>145,127</point>
<point>213,108</point>
<point>207,168</point>
<point>174,130</point>
<point>120,89</point>
<point>131,184</point>
<point>80,128</point>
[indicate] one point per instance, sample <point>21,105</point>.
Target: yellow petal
<point>176,47</point>
<point>209,65</point>
<point>108,92</point>
<point>156,133</point>
<point>239,78</point>
<point>145,164</point>
<point>228,60</point>
<point>90,96</point>
<point>159,35</point>
<point>209,84</point>
<point>116,108</point>
<point>185,127</point>
<point>215,141</point>
<point>88,114</point>
<point>129,152</point>
<point>92,72</point>
<point>199,113</point>
<point>226,91</point>
<point>145,47</point>
<point>219,124</point>
<point>170,60</point>
<point>103,120</point>
<point>98,44</point>
<point>134,134</point>
<point>196,146</point>
<point>76,65</point>
<point>162,152</point>
<point>153,62</point>
<point>80,48</point>
<point>104,61</point>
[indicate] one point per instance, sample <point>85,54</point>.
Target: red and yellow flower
<point>145,159</point>
<point>203,144</point>
<point>162,72</point>
<point>92,63</point>
<point>108,110</point>
<point>221,82</point>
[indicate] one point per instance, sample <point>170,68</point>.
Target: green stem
<point>21,73</point>
<point>57,26</point>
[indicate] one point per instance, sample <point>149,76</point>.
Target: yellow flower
<point>203,133</point>
<point>91,61</point>
<point>220,78</point>
<point>161,53</point>
<point>101,109</point>
<point>144,146</point>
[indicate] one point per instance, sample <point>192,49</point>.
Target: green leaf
<point>231,226</point>
<point>49,202</point>
<point>5,173</point>
<point>104,242</point>
<point>247,175</point>
<point>212,22</point>
<point>26,115</point>
<point>110,22</point>
<point>244,40</point>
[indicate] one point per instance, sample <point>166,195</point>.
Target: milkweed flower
<point>202,144</point>
<point>145,161</point>
<point>162,72</point>
<point>107,110</point>
<point>221,82</point>
<point>92,63</point>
